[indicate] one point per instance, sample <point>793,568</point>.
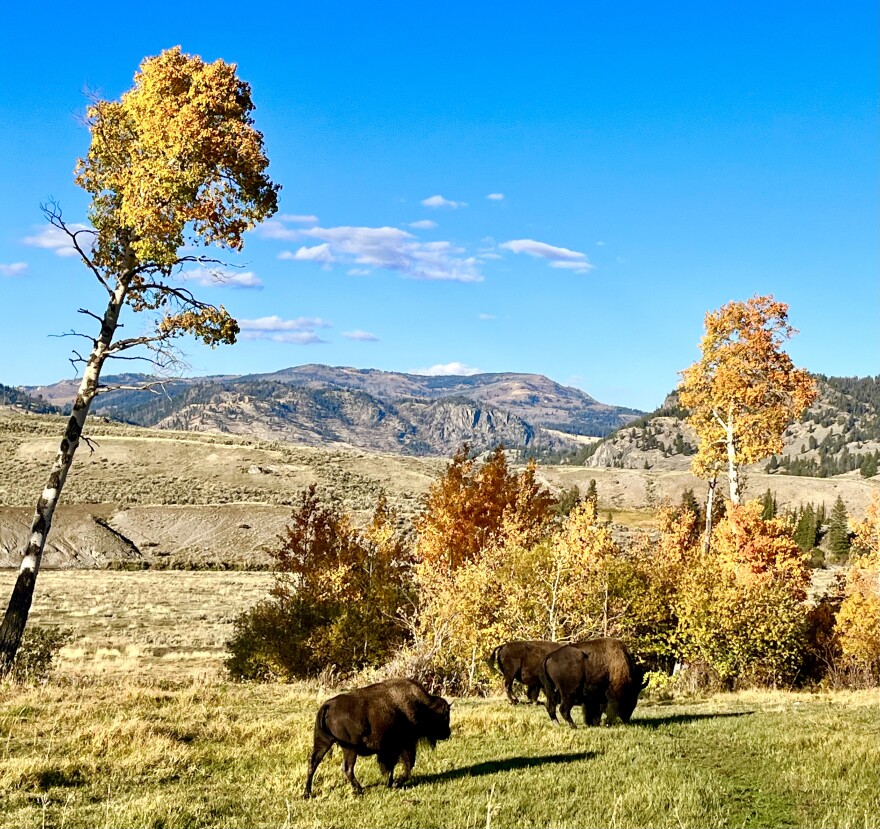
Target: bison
<point>387,719</point>
<point>599,674</point>
<point>522,661</point>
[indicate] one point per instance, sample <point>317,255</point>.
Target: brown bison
<point>387,719</point>
<point>522,661</point>
<point>599,674</point>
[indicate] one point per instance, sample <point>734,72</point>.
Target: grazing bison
<point>387,719</point>
<point>599,674</point>
<point>522,661</point>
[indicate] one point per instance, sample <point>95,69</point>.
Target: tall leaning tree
<point>175,163</point>
<point>743,391</point>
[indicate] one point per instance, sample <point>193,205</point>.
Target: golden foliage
<point>744,390</point>
<point>858,620</point>
<point>178,149</point>
<point>469,508</point>
<point>741,606</point>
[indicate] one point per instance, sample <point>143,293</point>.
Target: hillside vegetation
<point>839,433</point>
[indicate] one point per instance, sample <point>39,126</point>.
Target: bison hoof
<point>307,794</point>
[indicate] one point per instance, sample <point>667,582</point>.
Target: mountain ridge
<point>367,408</point>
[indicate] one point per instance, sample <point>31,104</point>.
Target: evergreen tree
<point>768,501</point>
<point>868,466</point>
<point>593,493</point>
<point>806,530</point>
<point>838,531</point>
<point>689,502</point>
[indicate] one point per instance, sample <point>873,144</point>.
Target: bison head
<point>435,720</point>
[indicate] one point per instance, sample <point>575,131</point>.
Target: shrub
<point>336,600</point>
<point>39,646</point>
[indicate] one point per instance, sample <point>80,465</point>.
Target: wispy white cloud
<point>358,271</point>
<point>489,255</point>
<point>13,269</point>
<point>316,253</point>
<point>442,369</point>
<point>495,197</point>
<point>276,323</point>
<point>55,239</point>
<point>600,244</point>
<point>389,248</point>
<point>486,316</point>
<point>299,331</point>
<point>423,224</point>
<point>439,201</point>
<point>362,336</point>
<point>219,278</point>
<point>558,257</point>
<point>298,218</point>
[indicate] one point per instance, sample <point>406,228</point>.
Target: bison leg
<point>508,688</point>
<point>592,712</point>
<point>322,746</point>
<point>349,758</point>
<point>408,760</point>
<point>611,716</point>
<point>565,710</point>
<point>533,692</point>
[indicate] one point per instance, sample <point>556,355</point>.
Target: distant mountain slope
<point>839,434</point>
<point>371,409</point>
<point>10,396</point>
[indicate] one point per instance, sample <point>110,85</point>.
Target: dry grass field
<point>189,500</point>
<point>146,625</point>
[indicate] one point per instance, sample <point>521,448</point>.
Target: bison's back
<point>610,662</point>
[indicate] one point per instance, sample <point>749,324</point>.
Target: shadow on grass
<point>677,719</point>
<point>496,766</point>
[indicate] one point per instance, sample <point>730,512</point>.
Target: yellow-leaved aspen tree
<point>744,390</point>
<point>176,161</point>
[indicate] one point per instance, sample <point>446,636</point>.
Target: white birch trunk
<point>12,629</point>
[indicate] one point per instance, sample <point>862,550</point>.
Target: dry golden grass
<point>160,625</point>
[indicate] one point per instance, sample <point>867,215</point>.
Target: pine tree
<point>593,493</point>
<point>838,531</point>
<point>768,502</point>
<point>806,530</point>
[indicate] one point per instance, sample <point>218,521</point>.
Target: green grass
<point>230,756</point>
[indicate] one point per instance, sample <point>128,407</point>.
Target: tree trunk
<point>710,505</point>
<point>732,465</point>
<point>12,629</point>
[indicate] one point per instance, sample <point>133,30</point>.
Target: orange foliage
<point>469,508</point>
<point>744,390</point>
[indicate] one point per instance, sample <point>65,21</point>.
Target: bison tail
<point>321,721</point>
<point>492,659</point>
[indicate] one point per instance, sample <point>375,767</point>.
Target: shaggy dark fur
<point>522,661</point>
<point>387,719</point>
<point>599,674</point>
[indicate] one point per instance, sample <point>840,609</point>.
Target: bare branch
<point>89,314</point>
<point>90,443</point>
<point>52,212</point>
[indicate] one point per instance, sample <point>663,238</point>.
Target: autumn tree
<point>336,599</point>
<point>175,163</point>
<point>474,515</point>
<point>465,507</point>
<point>743,391</point>
<point>741,607</point>
<point>858,620</point>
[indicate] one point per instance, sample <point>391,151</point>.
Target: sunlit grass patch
<point>196,754</point>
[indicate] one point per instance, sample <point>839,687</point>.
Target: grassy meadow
<point>214,754</point>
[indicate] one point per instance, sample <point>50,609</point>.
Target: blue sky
<point>558,188</point>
